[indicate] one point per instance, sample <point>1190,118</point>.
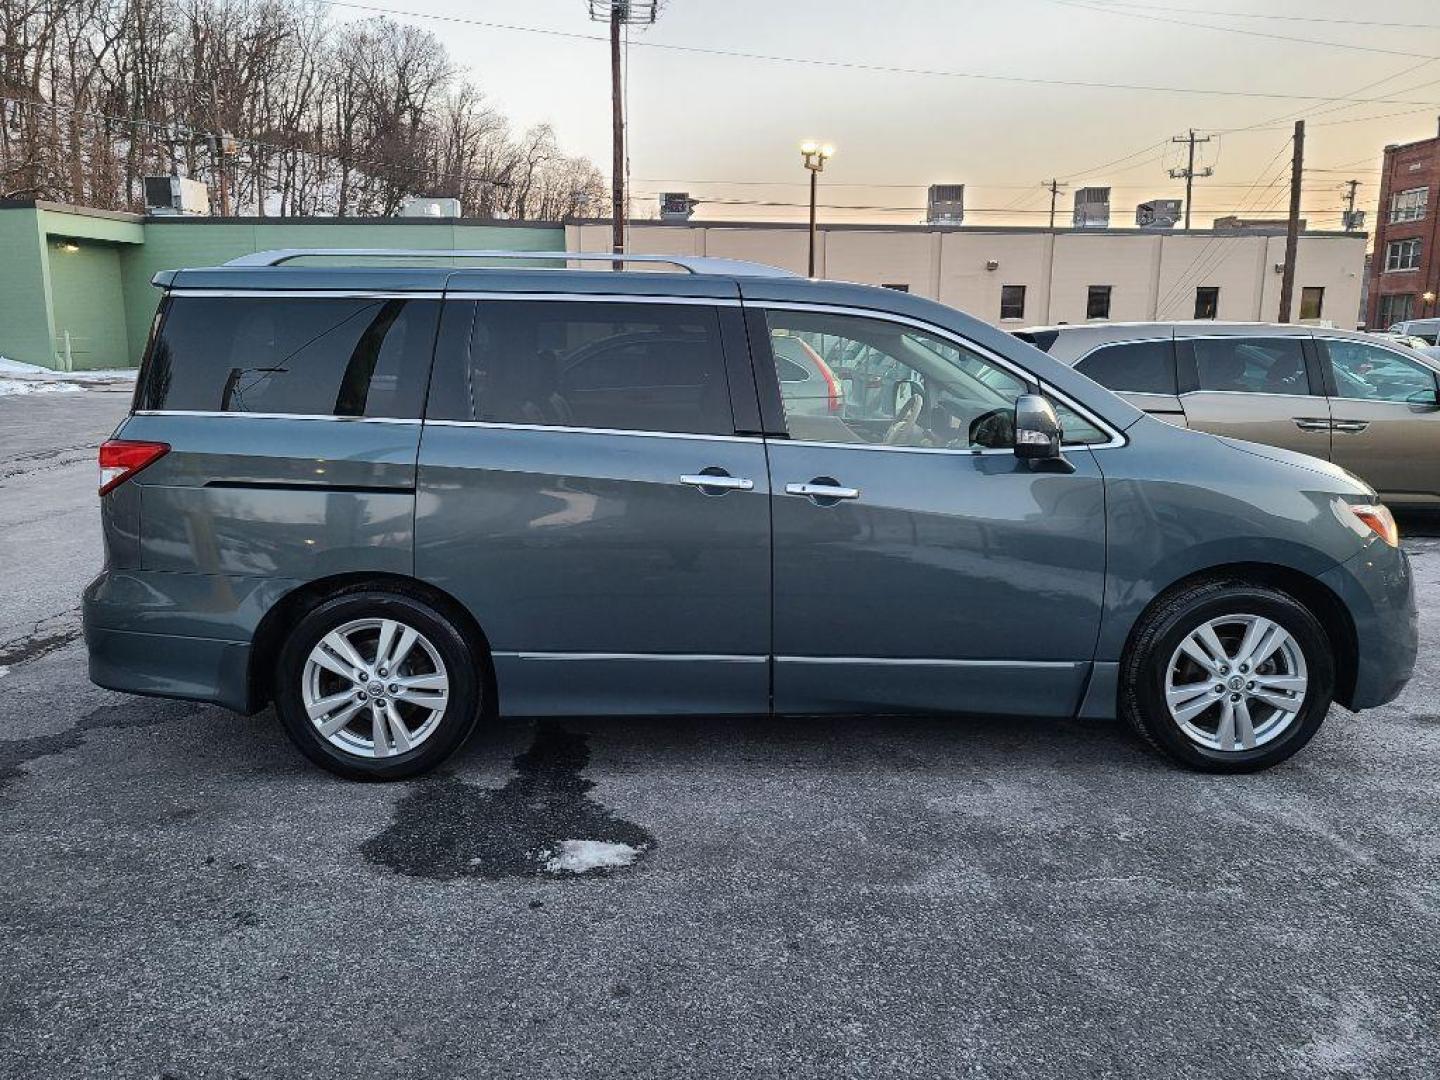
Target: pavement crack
<point>542,823</point>
<point>45,636</point>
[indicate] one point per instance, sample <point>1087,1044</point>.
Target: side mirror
<point>1037,429</point>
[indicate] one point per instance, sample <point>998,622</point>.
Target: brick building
<point>1406,270</point>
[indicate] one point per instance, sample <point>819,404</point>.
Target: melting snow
<point>582,856</point>
<point>15,387</point>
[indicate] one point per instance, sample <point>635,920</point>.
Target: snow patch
<point>582,856</point>
<point>18,370</point>
<point>4,671</point>
<point>16,387</point>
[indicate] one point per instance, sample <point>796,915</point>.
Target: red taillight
<point>832,384</point>
<point>121,459</point>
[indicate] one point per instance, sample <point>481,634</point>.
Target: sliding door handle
<point>1305,424</point>
<point>717,483</point>
<point>1353,427</point>
<point>815,490</point>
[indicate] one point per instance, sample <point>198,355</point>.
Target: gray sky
<point>727,127</point>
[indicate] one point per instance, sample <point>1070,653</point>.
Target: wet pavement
<point>184,896</point>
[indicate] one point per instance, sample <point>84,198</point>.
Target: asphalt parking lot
<point>183,896</point>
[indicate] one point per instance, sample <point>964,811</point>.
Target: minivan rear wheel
<point>377,685</point>
<point>1227,676</point>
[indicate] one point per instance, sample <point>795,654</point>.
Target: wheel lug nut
<point>1249,686</point>
<point>1244,667</point>
<point>363,677</point>
<point>383,673</point>
<point>1234,697</point>
<point>361,695</point>
<point>1219,688</point>
<point>380,702</point>
<point>395,688</point>
<point>1224,669</point>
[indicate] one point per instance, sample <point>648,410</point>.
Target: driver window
<point>877,382</point>
<point>1362,371</point>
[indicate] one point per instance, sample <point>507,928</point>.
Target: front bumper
<point>1379,590</point>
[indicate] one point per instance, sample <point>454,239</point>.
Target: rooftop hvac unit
<point>426,207</point>
<point>676,206</point>
<point>1158,214</point>
<point>1092,208</point>
<point>172,196</point>
<point>945,204</point>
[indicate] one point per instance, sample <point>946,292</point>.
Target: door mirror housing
<point>1037,429</point>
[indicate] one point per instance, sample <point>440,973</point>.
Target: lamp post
<point>815,156</point>
<point>1428,299</point>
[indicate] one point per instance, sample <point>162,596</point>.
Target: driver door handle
<point>822,491</point>
<point>717,482</point>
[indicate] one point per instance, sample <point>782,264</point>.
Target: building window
<point>1012,301</point>
<point>1409,205</point>
<point>1395,308</point>
<point>897,287</point>
<point>1402,255</point>
<point>1312,300</point>
<point>1097,304</point>
<point>1207,302</point>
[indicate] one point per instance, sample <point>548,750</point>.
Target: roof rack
<point>691,264</point>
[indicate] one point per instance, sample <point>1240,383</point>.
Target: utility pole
<point>814,156</point>
<point>1053,186</point>
<point>619,13</point>
<point>1292,230</point>
<point>1351,223</point>
<point>1188,173</point>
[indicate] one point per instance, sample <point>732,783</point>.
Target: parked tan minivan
<point>1367,405</point>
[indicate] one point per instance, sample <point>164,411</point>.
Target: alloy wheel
<point>1236,682</point>
<point>375,688</point>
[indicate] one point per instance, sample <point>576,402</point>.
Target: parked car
<point>1410,341</point>
<point>397,501</point>
<point>1427,330</point>
<point>1340,395</point>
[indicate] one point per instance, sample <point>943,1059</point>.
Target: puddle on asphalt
<point>542,823</point>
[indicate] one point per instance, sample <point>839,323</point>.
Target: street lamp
<point>1428,299</point>
<point>815,155</point>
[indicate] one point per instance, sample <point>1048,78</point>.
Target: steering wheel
<point>902,431</point>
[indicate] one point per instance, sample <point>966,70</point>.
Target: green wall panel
<point>88,304</point>
<point>26,333</point>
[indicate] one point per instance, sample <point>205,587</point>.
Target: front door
<point>584,493</point>
<point>1386,427</point>
<point>1263,389</point>
<point>919,565</point>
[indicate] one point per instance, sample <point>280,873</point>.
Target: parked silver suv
<point>1366,404</point>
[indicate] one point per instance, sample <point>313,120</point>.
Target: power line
<point>1082,5</point>
<point>1367,23</point>
<point>855,65</point>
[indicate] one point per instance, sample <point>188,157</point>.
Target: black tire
<point>462,663</point>
<point>1169,622</point>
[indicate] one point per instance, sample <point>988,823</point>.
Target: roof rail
<point>691,264</point>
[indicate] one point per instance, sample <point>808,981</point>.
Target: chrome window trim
<point>278,416</point>
<point>598,298</point>
<point>561,428</point>
<point>1117,438</point>
<point>928,662</point>
<point>308,294</point>
<point>1258,393</point>
<point>724,658</point>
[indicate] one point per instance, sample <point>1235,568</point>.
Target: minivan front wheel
<point>377,685</point>
<point>1228,676</point>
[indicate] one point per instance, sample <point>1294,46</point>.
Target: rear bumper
<point>162,665</point>
<point>1378,589</point>
<point>176,635</point>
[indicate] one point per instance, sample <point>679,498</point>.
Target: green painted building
<point>75,288</point>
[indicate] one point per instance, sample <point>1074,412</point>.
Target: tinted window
<point>1139,367</point>
<point>635,367</point>
<point>1254,365</point>
<point>321,357</point>
<point>1370,374</point>
<point>1207,302</point>
<point>1097,302</point>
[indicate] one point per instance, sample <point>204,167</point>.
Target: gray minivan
<point>395,500</point>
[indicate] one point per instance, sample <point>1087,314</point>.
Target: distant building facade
<point>1405,275</point>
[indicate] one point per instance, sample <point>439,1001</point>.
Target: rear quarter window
<point>1136,367</point>
<point>354,356</point>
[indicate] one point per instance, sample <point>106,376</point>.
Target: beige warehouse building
<point>1042,275</point>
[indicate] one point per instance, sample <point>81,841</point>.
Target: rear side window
<point>367,356</point>
<point>1252,365</point>
<point>624,366</point>
<point>1137,367</point>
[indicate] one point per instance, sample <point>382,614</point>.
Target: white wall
<point>1152,275</point>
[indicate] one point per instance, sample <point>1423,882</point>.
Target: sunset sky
<point>726,127</point>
